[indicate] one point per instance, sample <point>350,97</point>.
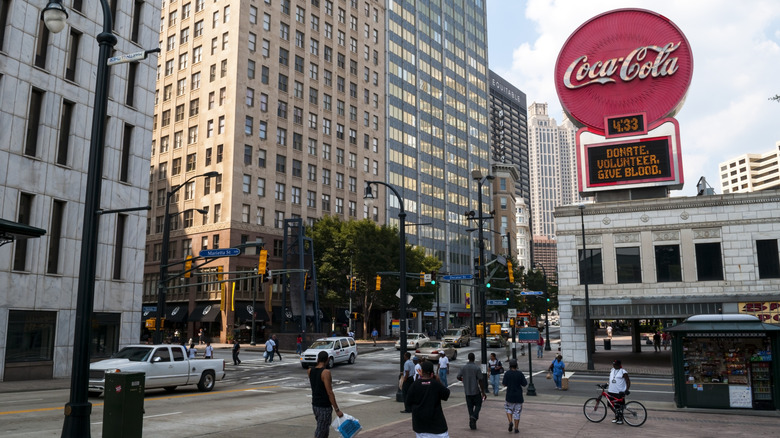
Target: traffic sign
<point>527,335</point>
<point>531,292</point>
<point>512,313</point>
<point>496,302</point>
<point>222,252</point>
<point>458,277</point>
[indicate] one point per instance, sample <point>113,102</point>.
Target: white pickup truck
<point>166,366</point>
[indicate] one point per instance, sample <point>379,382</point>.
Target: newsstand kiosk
<point>726,361</point>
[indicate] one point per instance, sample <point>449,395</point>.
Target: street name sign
<point>496,302</point>
<point>531,292</point>
<point>458,277</point>
<point>221,252</point>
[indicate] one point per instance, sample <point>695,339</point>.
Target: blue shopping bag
<point>347,425</point>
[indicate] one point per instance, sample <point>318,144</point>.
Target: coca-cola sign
<point>622,62</point>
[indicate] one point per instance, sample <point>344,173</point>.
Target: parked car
<point>495,341</point>
<point>340,349</point>
<point>165,366</point>
<point>413,341</point>
<point>457,337</point>
<point>430,350</point>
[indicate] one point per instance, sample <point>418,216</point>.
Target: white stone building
<point>47,89</point>
<point>666,259</point>
<point>751,172</point>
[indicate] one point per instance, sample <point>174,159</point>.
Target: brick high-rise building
<point>286,100</point>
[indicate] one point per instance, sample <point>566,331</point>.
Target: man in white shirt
<point>619,383</point>
<point>444,368</point>
<point>209,351</point>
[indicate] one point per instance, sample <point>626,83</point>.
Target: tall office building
<point>509,145</point>
<point>286,100</point>
<point>751,172</point>
<point>47,85</point>
<point>437,109</point>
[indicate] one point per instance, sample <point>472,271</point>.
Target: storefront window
<point>30,336</point>
<point>590,267</point>
<point>104,336</point>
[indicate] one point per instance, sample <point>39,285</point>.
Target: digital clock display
<point>633,124</point>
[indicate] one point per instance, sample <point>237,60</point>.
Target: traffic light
<point>262,263</point>
<point>422,279</point>
<point>188,266</point>
<point>351,284</point>
<point>511,271</point>
<point>433,278</point>
<point>477,267</point>
<point>507,296</point>
<point>306,281</point>
<point>219,273</point>
<point>378,282</point>
<point>487,285</point>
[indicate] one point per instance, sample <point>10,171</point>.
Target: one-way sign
<point>221,252</point>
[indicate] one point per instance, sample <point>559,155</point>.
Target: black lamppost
<point>369,197</point>
<point>585,273</point>
<point>78,408</point>
<point>476,174</point>
<point>162,282</point>
<point>546,310</point>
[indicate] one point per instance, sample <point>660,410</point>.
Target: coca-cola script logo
<point>622,62</point>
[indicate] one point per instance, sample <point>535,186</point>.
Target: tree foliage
<point>776,98</point>
<point>362,249</point>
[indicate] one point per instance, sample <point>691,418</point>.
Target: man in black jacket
<point>425,397</point>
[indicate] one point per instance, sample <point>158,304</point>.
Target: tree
<point>776,98</point>
<point>363,248</point>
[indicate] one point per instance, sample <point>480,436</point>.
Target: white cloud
<point>736,49</point>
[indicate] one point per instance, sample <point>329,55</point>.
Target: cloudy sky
<point>736,53</point>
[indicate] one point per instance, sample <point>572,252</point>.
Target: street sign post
<point>496,302</point>
<point>458,277</point>
<point>221,252</point>
<point>531,292</point>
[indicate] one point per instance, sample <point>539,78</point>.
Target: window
<point>252,42</point>
<point>198,29</point>
<point>297,142</point>
<point>768,260</point>
<point>297,115</point>
<point>217,215</point>
<point>266,22</point>
<point>279,192</point>
<point>311,199</point>
<point>295,195</point>
<point>73,53</point>
<point>284,31</point>
<point>124,157</point>
<point>179,113</point>
<point>629,265</point>
<point>315,23</point>
<point>55,236</point>
<point>191,162</point>
<point>250,97</point>
<point>194,107</point>
<point>184,35</point>
<point>252,15</point>
<point>284,56</point>
<point>667,263</point>
<point>326,177</point>
<point>261,187</point>
<point>260,216</point>
<point>264,75</point>
<point>709,265</point>
<point>63,143</point>
<point>313,121</point>
<point>42,46</point>
<point>325,202</point>
<point>298,90</point>
<point>298,64</point>
<point>281,163</point>
<point>282,82</point>
<point>248,125</point>
<point>314,47</point>
<point>312,172</point>
<point>34,120</point>
<point>169,67</point>
<point>300,37</point>
<point>313,71</point>
<point>192,135</point>
<point>23,217</point>
<point>590,267</point>
<point>300,15</point>
<point>281,110</point>
<point>225,39</point>
<point>265,49</point>
<point>246,183</point>
<point>263,130</point>
<point>250,69</point>
<point>197,55</point>
<point>189,191</point>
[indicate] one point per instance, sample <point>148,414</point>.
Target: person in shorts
<point>514,380</point>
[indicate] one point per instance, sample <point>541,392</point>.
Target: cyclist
<point>619,383</point>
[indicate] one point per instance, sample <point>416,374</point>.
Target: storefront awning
<point>10,231</point>
<point>176,312</point>
<point>208,312</point>
<point>723,323</point>
<point>244,310</point>
<point>146,314</point>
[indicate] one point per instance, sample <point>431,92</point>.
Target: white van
<point>340,349</point>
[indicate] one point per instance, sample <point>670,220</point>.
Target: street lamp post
<point>162,283</point>
<point>78,408</point>
<point>586,279</point>
<point>369,196</point>
<point>477,176</point>
<point>546,310</point>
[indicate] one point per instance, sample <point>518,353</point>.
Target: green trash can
<point>607,344</point>
<point>123,407</point>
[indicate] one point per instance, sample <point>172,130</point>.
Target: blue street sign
<point>458,277</point>
<point>222,252</point>
<point>527,335</point>
<point>496,302</point>
<point>531,292</point>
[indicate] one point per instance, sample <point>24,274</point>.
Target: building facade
<point>286,100</point>
<point>665,259</point>
<point>46,86</point>
<point>437,128</point>
<point>751,172</point>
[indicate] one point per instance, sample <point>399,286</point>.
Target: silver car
<point>457,337</point>
<point>413,341</point>
<point>430,350</point>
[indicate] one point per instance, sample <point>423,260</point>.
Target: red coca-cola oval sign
<point>623,62</point>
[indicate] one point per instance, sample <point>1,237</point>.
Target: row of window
<point>668,265</point>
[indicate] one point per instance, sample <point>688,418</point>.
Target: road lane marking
<point>20,401</point>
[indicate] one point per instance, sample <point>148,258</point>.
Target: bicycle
<point>633,413</point>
